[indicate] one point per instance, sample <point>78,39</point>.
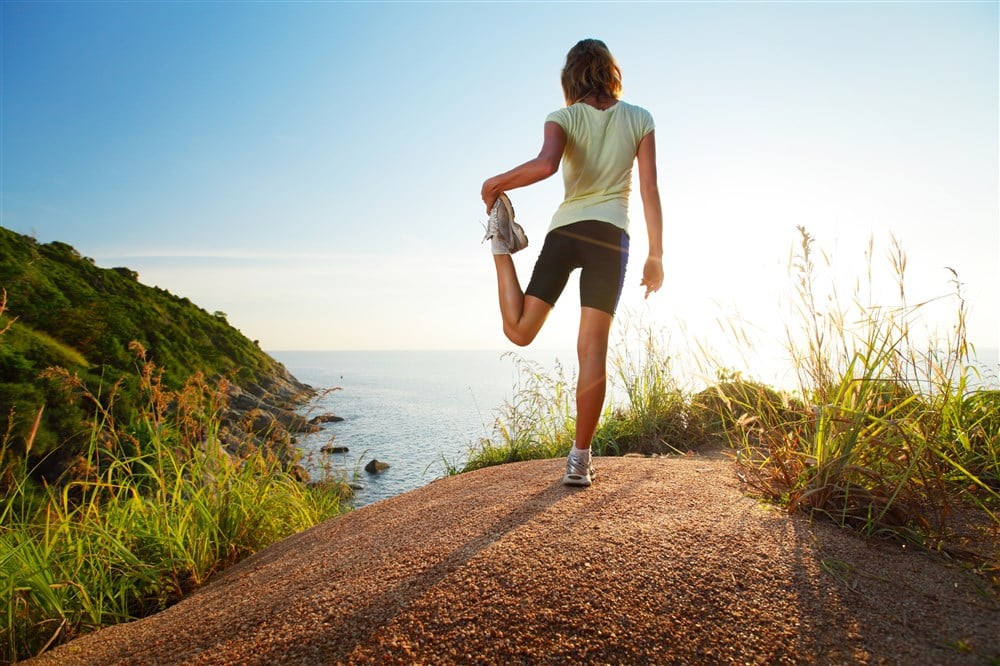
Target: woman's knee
<point>524,330</point>
<point>519,337</point>
<point>592,346</point>
<point>595,330</point>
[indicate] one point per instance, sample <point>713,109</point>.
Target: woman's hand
<point>652,275</point>
<point>490,193</point>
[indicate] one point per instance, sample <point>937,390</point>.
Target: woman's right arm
<point>532,171</point>
<point>652,272</point>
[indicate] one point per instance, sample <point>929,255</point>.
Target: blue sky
<point>313,169</point>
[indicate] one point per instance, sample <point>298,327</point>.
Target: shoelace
<point>491,226</point>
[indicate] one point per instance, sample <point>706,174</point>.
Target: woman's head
<point>590,70</point>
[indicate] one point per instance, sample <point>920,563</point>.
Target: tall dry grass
<point>647,411</point>
<point>884,432</point>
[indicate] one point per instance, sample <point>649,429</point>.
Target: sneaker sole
<point>574,480</point>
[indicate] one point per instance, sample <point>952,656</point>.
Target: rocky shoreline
<point>265,416</point>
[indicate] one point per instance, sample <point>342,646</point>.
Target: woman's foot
<point>507,236</point>
<point>578,472</point>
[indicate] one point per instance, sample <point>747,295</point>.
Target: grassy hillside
<point>63,310</point>
<point>136,403</point>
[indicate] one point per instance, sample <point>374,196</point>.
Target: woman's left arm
<point>652,272</point>
<point>532,171</point>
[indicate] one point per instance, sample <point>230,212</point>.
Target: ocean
<point>411,409</point>
<point>417,409</point>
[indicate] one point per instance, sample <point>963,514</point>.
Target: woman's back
<point>597,162</point>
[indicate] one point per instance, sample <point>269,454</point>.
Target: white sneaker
<point>577,474</point>
<point>503,230</point>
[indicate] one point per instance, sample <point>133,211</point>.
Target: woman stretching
<point>598,138</point>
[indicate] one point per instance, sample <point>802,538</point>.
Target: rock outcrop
<point>661,561</point>
<point>325,418</point>
<point>264,415</point>
<point>376,466</point>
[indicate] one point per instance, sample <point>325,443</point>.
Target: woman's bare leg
<point>592,353</point>
<point>522,315</point>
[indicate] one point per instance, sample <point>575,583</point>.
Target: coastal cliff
<point>78,338</point>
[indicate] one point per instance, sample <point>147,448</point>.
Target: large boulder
<point>325,418</point>
<point>376,466</point>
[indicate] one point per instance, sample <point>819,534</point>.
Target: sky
<point>313,169</point>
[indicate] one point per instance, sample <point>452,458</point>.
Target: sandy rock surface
<point>662,561</point>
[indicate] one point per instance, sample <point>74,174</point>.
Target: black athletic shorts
<point>599,249</point>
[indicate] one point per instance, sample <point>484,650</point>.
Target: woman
<point>598,138</point>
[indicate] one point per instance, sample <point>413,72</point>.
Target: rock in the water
<point>330,448</point>
<point>376,466</point>
<point>325,418</point>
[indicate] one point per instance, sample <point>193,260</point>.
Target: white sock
<point>498,246</point>
<point>582,456</point>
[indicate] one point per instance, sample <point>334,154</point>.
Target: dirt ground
<point>662,560</point>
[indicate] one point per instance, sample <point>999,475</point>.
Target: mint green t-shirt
<point>597,162</point>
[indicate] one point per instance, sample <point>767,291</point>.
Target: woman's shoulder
<point>638,117</point>
<point>571,118</point>
<point>633,109</point>
<point>561,112</point>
